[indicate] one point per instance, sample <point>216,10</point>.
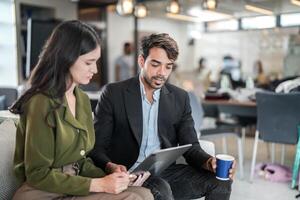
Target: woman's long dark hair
<point>67,42</point>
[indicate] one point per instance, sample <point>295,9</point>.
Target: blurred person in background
<point>124,64</point>
<point>260,77</point>
<point>232,69</point>
<point>202,74</point>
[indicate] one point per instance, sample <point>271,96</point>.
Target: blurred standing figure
<point>260,77</point>
<point>124,63</point>
<point>203,75</point>
<point>232,68</point>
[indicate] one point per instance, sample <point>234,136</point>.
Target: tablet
<point>158,161</point>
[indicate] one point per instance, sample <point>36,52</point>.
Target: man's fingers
<point>214,163</point>
<point>234,164</point>
<point>132,177</point>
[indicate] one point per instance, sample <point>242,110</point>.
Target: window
<point>8,61</point>
<point>258,22</point>
<point>292,19</point>
<point>226,25</point>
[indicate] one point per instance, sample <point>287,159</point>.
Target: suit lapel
<point>166,106</point>
<point>134,110</point>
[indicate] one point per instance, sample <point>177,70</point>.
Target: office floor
<point>260,189</point>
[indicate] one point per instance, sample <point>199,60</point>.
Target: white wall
<point>121,29</point>
<point>8,44</point>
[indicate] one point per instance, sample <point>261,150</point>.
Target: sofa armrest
<point>208,147</point>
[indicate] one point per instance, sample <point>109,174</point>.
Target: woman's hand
<point>114,183</point>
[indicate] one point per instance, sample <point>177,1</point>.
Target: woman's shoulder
<point>39,98</point>
<point>39,101</point>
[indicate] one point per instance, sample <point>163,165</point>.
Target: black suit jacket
<point>119,120</point>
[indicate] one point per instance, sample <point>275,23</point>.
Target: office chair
<point>278,120</point>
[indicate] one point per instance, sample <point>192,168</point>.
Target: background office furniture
<point>10,94</point>
<point>221,129</point>
<point>278,117</point>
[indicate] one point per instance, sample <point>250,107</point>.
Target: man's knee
<point>222,186</point>
<point>159,188</point>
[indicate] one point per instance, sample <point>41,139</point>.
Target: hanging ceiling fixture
<point>140,10</point>
<point>173,7</point>
<point>258,10</point>
<point>209,4</point>
<point>125,7</point>
<point>295,2</point>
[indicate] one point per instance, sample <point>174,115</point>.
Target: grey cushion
<point>8,182</point>
<point>2,103</point>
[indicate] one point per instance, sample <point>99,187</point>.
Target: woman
<point>55,132</point>
<point>261,78</point>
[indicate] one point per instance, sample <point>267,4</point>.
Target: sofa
<point>8,182</point>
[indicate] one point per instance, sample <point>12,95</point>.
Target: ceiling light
<point>173,7</point>
<point>209,4</point>
<point>207,15</point>
<point>258,10</point>
<point>140,10</point>
<point>203,16</point>
<point>296,2</point>
<point>125,7</point>
<point>183,17</point>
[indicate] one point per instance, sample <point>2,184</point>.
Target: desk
<point>234,107</point>
<point>230,102</point>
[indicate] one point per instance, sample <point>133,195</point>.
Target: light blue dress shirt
<point>150,138</point>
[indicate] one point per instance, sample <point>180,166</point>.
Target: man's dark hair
<point>162,40</point>
<point>127,44</point>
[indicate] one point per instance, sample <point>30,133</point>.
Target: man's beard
<point>151,81</point>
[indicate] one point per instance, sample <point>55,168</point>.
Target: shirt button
<point>82,152</point>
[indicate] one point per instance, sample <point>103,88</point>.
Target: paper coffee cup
<point>224,164</point>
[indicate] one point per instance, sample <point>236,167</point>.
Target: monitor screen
<point>38,33</point>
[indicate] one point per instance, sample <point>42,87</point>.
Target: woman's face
<point>85,67</point>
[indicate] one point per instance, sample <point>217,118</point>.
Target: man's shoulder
<point>119,86</point>
<point>176,90</point>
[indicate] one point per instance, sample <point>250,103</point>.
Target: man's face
<point>156,68</point>
<point>128,49</point>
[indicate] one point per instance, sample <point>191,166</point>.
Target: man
<point>124,63</point>
<point>143,114</point>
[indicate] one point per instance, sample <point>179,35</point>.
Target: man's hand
<point>138,178</point>
<point>211,165</point>
<point>112,167</point>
